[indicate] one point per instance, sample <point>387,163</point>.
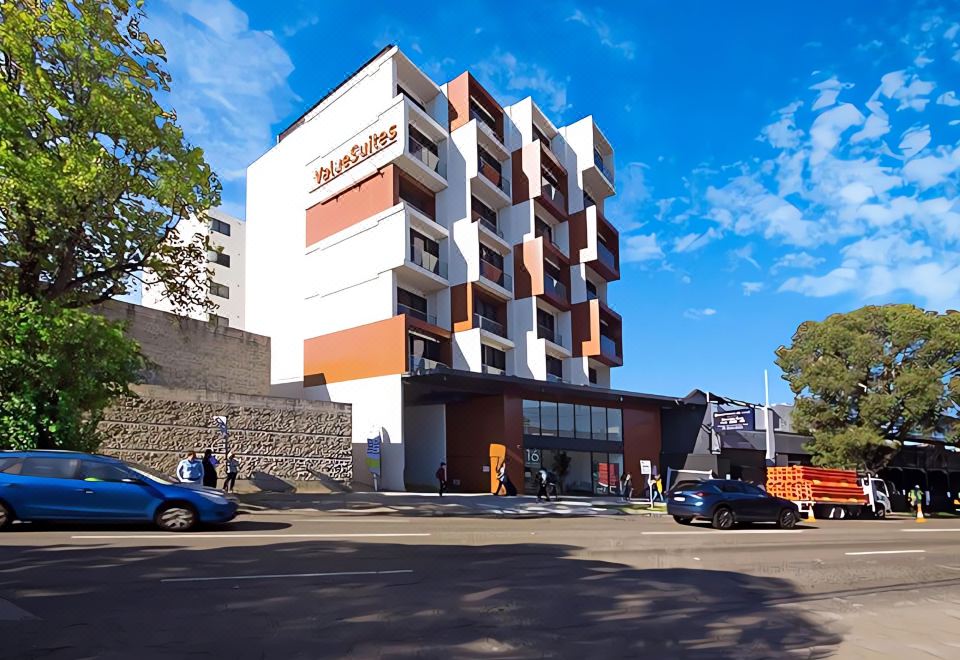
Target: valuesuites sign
<point>356,154</point>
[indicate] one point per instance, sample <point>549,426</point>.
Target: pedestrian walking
<point>190,469</point>
<point>656,489</point>
<point>209,469</point>
<point>233,469</point>
<point>542,485</point>
<point>502,478</point>
<point>442,477</point>
<point>626,487</point>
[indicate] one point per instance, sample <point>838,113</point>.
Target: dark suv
<point>725,502</point>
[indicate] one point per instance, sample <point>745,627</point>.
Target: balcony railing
<point>424,365</point>
<point>490,173</point>
<point>492,226</point>
<point>482,322</point>
<point>496,275</point>
<point>592,295</point>
<point>416,313</point>
<point>554,287</point>
<point>490,369</point>
<point>549,334</point>
<point>425,155</point>
<point>606,257</point>
<point>554,378</point>
<point>417,208</point>
<point>550,191</point>
<point>608,347</point>
<point>598,161</point>
<point>486,121</point>
<point>428,261</point>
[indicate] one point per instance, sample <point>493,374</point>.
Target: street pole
<point>768,421</point>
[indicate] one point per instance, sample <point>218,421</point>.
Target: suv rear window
<point>9,464</point>
<point>49,468</point>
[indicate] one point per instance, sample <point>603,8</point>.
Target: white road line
<point>951,568</point>
<point>932,530</point>
<point>228,535</point>
<point>726,533</point>
<point>286,575</point>
<point>883,552</point>
<point>347,519</point>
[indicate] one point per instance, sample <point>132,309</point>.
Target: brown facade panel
<point>472,426</point>
<point>461,307</point>
<point>374,194</point>
<point>641,439</point>
<point>458,95</point>
<point>366,351</point>
<point>577,225</point>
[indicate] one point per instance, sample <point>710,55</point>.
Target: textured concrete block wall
<point>195,354</point>
<point>291,439</point>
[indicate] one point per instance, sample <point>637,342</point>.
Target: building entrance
<point>577,472</point>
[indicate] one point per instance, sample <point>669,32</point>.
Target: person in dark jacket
<point>442,477</point>
<point>209,469</point>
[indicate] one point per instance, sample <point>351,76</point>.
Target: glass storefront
<point>579,472</point>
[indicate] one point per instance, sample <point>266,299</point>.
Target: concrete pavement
<point>295,584</point>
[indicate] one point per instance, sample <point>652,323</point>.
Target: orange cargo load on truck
<point>819,485</point>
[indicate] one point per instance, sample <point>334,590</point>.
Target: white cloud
<point>604,33</point>
<point>640,248</point>
<point>511,79</point>
<point>948,99</point>
<point>877,125</point>
<point>686,279</point>
<point>744,253</point>
<point>886,249</point>
<point>829,91</point>
<point>229,81</point>
<point>783,133</point>
<point>626,208</point>
<point>914,140</point>
<point>750,288</point>
<point>695,240</point>
<point>951,31</point>
<point>931,171</point>
<point>936,283</point>
<point>798,260</point>
<point>698,314</point>
<point>829,126</point>
<point>745,206</point>
<point>910,90</point>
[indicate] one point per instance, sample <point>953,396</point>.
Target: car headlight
<point>216,498</point>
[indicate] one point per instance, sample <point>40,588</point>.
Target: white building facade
<point>226,261</point>
<point>401,230</point>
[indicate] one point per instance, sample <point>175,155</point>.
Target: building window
<point>220,227</point>
<point>614,425</point>
<point>484,214</point>
<point>554,368</point>
<point>220,258</point>
<point>481,114</point>
<point>490,161</point>
<point>548,417</point>
<point>592,375</point>
<point>531,417</point>
<point>541,228</point>
<point>598,422</point>
<point>588,200</point>
<point>219,321</point>
<point>539,135</point>
<point>412,304</point>
<point>493,357</point>
<point>219,290</point>
<point>591,290</point>
<point>582,422</point>
<point>565,420</point>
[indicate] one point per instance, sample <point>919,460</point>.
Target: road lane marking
<point>951,568</point>
<point>932,530</point>
<point>228,535</point>
<point>285,575</point>
<point>727,532</point>
<point>347,519</point>
<point>883,552</point>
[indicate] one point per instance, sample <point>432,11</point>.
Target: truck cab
<point>878,496</point>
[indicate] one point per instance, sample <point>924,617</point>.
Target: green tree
<point>95,174</point>
<point>59,369</point>
<point>867,380</point>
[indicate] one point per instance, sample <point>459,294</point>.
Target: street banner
<point>224,446</point>
<point>374,449</point>
<point>734,420</point>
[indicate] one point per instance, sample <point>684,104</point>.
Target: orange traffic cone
<point>920,518</point>
<point>810,516</point>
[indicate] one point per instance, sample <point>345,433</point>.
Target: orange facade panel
<point>366,351</point>
<point>374,194</point>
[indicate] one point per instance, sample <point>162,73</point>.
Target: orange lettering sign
<point>357,153</point>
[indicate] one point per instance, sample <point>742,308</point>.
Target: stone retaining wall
<point>288,439</point>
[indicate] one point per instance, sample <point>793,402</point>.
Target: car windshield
<point>150,473</point>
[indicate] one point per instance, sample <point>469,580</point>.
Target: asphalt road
<point>311,585</point>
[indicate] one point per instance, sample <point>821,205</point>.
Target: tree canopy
<point>95,173</point>
<point>868,380</point>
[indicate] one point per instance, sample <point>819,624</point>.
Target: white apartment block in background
<point>403,231</point>
<point>226,286</point>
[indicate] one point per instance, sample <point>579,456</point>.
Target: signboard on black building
<point>734,420</point>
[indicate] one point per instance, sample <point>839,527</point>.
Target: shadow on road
<point>238,525</point>
<point>515,601</point>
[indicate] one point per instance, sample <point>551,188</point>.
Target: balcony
<point>416,313</point>
<point>490,369</point>
<point>420,365</point>
<point>494,176</point>
<point>600,165</point>
<point>606,257</point>
<point>425,154</point>
<point>482,322</point>
<point>427,261</point>
<point>554,378</point>
<point>551,194</point>
<point>549,334</point>
<point>608,348</point>
<point>485,122</point>
<point>554,287</point>
<point>495,274</point>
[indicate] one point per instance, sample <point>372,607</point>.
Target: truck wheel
<point>880,513</point>
<point>722,518</point>
<point>787,519</point>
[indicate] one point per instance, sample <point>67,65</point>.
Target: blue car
<point>68,486</point>
<point>726,502</point>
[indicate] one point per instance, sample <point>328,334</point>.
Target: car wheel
<point>683,520</point>
<point>6,516</point>
<point>176,518</point>
<point>723,518</point>
<point>787,519</point>
<point>880,513</point>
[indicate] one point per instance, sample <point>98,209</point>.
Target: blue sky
<point>776,162</point>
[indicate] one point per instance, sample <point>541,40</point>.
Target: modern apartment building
<point>227,236</point>
<point>442,263</point>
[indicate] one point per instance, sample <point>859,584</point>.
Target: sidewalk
<point>430,504</point>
